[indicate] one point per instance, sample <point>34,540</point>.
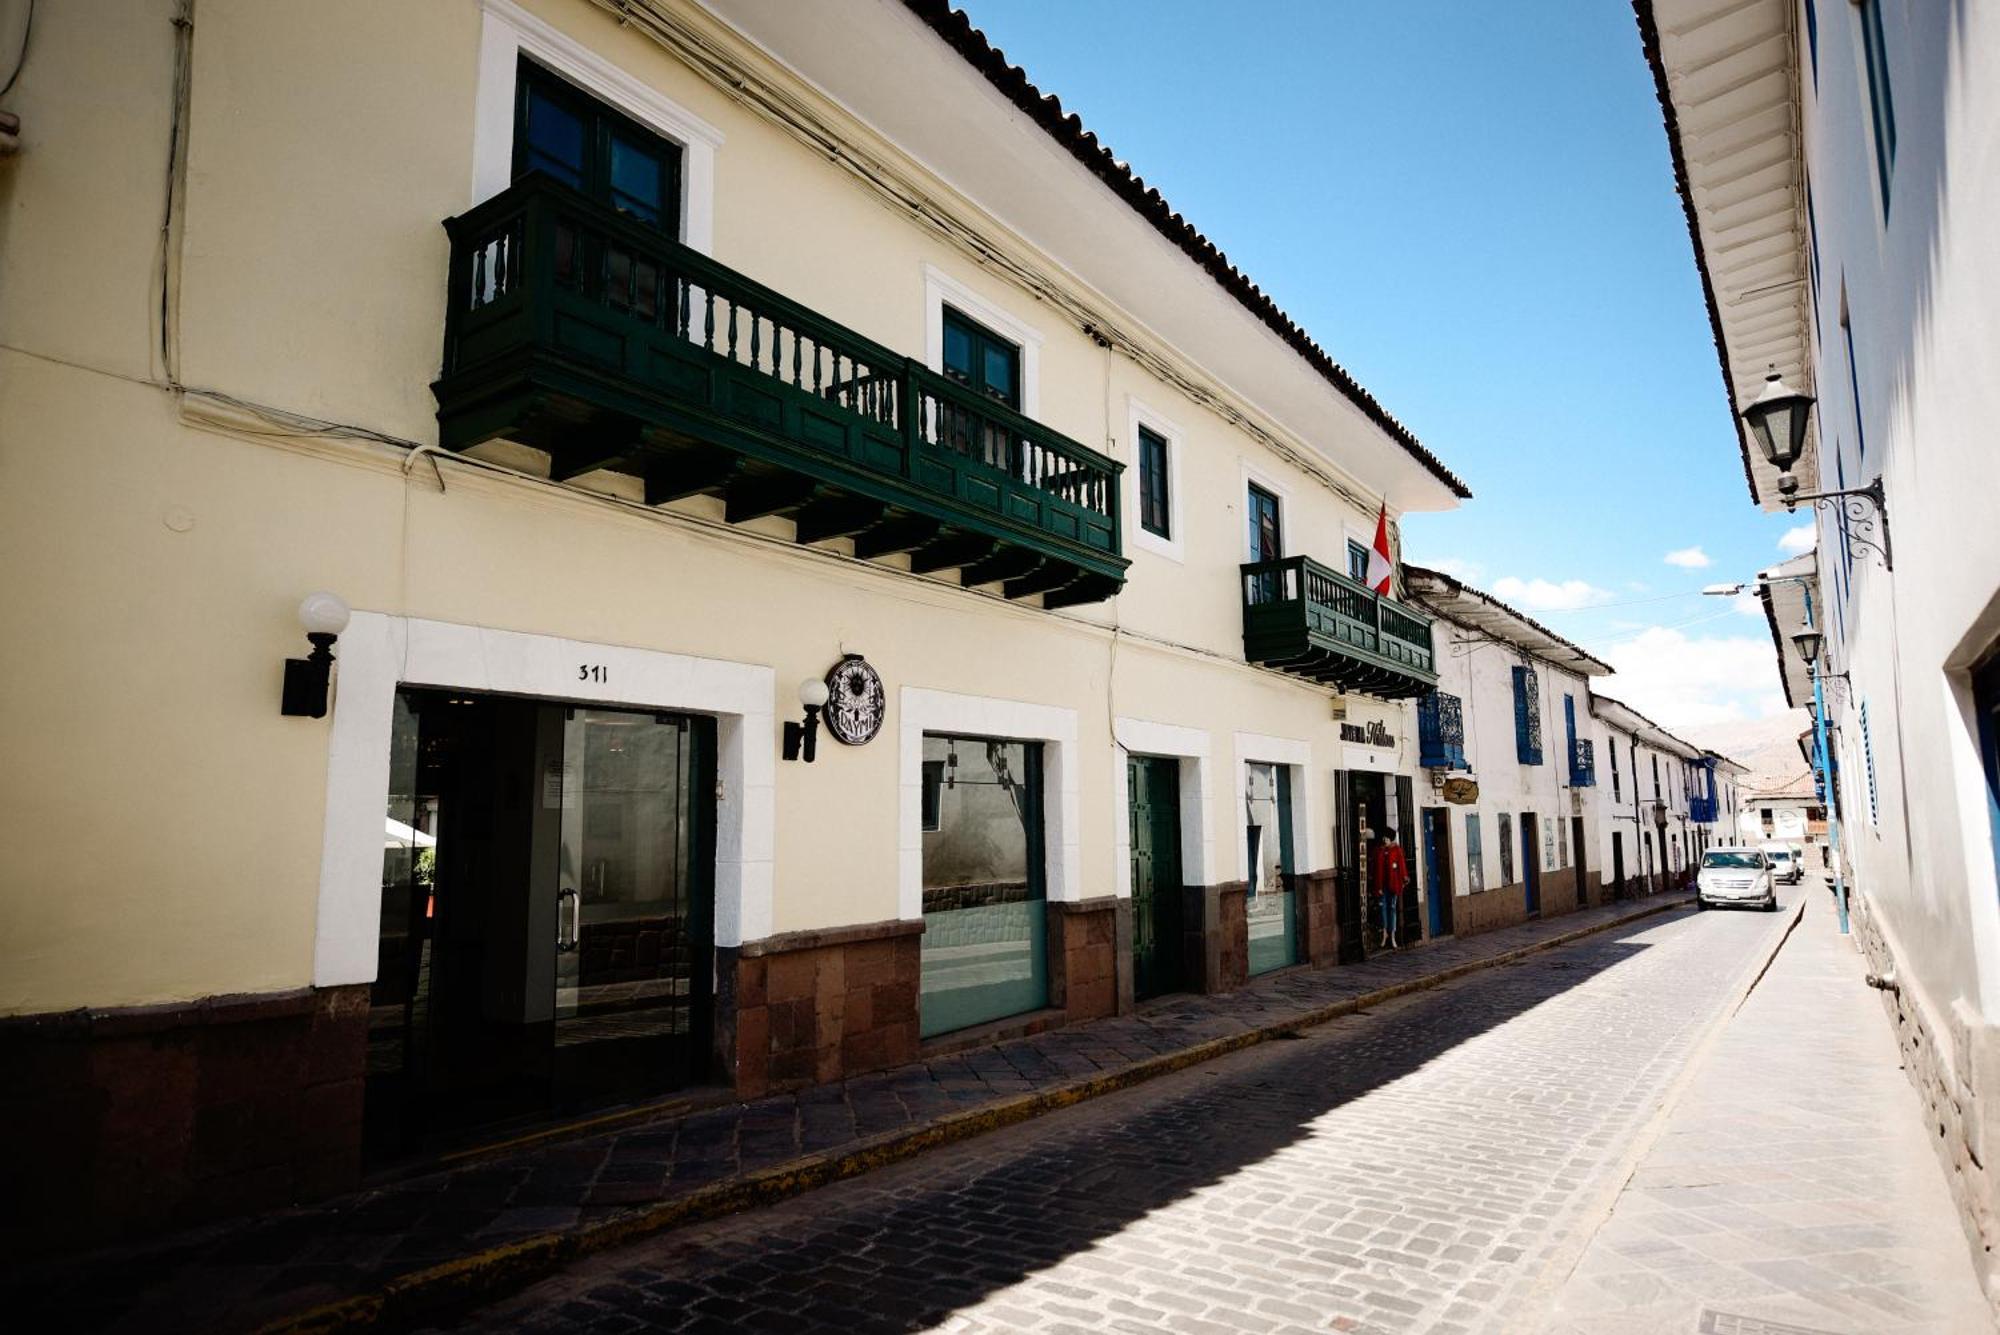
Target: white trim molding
<point>1296,755</point>
<point>940,290</point>
<point>1251,473</point>
<point>379,652</point>
<point>506,32</point>
<point>1138,414</point>
<point>1190,746</point>
<point>921,711</point>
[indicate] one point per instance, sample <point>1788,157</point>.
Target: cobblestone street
<point>1433,1164</point>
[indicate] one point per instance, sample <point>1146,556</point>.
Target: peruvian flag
<point>1380,567</point>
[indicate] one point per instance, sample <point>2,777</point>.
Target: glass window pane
<point>635,180</point>
<point>957,351</point>
<point>555,139</point>
<point>1000,373</point>
<point>984,943</point>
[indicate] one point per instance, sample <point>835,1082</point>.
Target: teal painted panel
<point>881,455</point>
<point>590,341</point>
<point>823,431</point>
<point>752,404</point>
<point>932,475</point>
<point>676,376</point>
<point>980,492</point>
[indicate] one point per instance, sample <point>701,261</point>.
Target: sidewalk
<point>1791,1190</point>
<point>481,1228</point>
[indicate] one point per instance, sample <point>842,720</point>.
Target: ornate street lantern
<point>1777,418</point>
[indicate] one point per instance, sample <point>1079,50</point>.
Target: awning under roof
<point>1727,75</point>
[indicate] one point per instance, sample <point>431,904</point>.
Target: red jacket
<point>1390,872</point>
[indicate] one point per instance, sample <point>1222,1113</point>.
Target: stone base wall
<point>1218,937</point>
<point>1322,927</point>
<point>1949,1070</point>
<point>804,1008</point>
<point>1558,892</point>
<point>1490,909</point>
<point>1090,957</point>
<point>140,1119</point>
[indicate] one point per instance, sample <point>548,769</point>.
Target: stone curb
<point>484,1276</point>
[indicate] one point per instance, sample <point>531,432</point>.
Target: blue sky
<point>1471,207</point>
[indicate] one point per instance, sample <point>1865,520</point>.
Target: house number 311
<point>595,672</point>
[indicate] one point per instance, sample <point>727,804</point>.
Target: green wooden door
<point>1154,785</point>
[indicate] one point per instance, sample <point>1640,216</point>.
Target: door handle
<point>566,936</point>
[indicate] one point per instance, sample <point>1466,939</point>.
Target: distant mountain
<point>1768,746</point>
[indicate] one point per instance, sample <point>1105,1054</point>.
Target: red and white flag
<point>1380,566</point>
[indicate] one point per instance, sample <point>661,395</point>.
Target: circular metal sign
<point>855,701</point>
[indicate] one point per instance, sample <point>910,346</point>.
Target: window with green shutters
<point>1154,513</point>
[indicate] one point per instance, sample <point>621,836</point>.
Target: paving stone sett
<point>1412,1168</point>
<point>242,1275</point>
<point>1792,1183</point>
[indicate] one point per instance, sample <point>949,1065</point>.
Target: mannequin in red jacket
<point>1390,874</point>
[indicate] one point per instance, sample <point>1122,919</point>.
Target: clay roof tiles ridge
<point>1069,131</point>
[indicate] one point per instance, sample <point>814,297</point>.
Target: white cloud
<point>1457,567</point>
<point>1682,682</point>
<point>1541,595</point>
<point>1797,540</point>
<point>1748,605</point>
<point>1689,558</point>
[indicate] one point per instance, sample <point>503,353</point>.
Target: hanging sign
<point>1460,792</point>
<point>855,701</point>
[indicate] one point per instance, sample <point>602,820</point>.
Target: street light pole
<point>1808,643</point>
<point>1827,794</point>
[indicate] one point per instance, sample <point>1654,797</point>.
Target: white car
<point>1787,867</point>
<point>1738,876</point>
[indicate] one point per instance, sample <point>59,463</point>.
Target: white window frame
<point>1284,494</point>
<point>1138,414</point>
<point>923,710</point>
<point>508,31</point>
<point>941,290</point>
<point>379,653</point>
<point>1190,746</point>
<point>1256,749</point>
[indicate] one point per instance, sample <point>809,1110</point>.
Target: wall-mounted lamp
<point>324,616</point>
<point>1777,420</point>
<point>801,738</point>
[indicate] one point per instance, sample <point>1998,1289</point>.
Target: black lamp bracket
<point>1865,508</point>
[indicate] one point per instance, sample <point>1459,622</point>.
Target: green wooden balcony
<point>578,331</point>
<point>1305,618</point>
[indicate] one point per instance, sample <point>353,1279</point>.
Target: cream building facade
<point>634,371</point>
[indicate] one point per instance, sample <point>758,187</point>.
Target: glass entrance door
<point>632,899</point>
<point>546,902</point>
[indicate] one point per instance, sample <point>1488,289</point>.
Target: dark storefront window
<point>985,945</point>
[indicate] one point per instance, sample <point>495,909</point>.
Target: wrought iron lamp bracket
<point>1865,508</point>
